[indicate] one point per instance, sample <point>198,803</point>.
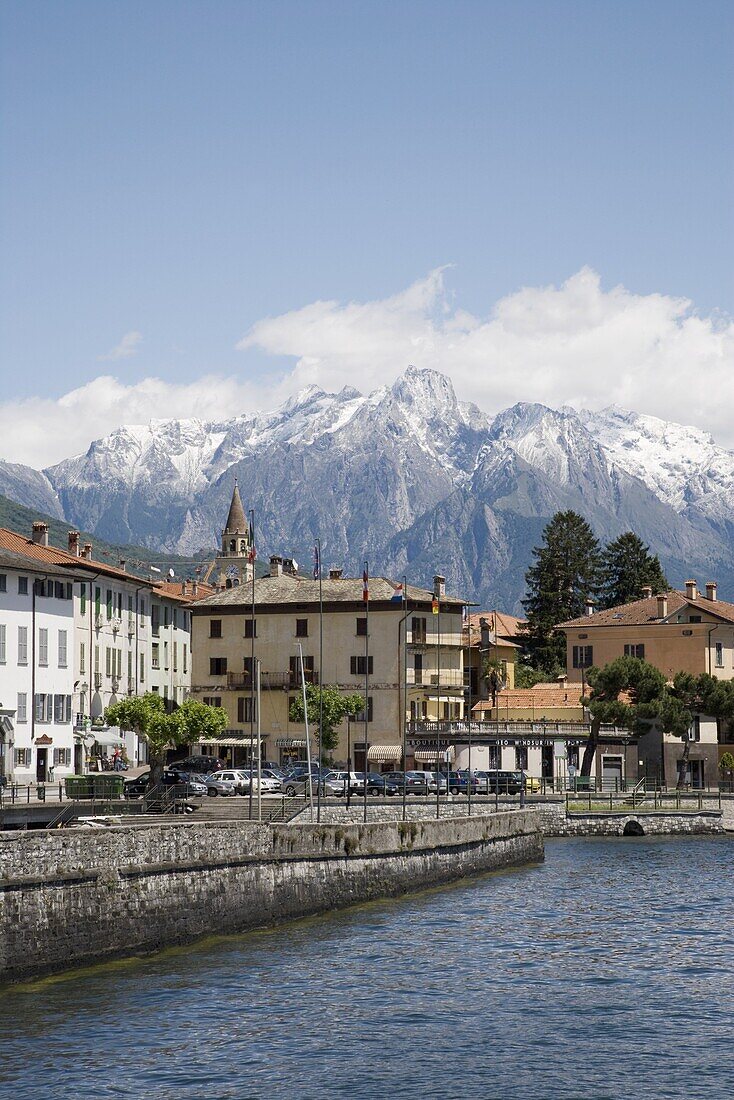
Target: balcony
<point>270,681</point>
<point>432,639</point>
<point>116,625</point>
<point>98,621</point>
<point>430,677</point>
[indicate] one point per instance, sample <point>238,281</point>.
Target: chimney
<point>123,563</point>
<point>40,533</point>
<point>276,566</point>
<point>183,588</point>
<point>87,551</point>
<point>646,591</point>
<point>691,590</point>
<point>74,544</point>
<point>195,588</point>
<point>335,574</point>
<point>484,635</point>
<point>711,590</point>
<point>589,607</point>
<point>439,586</point>
<point>662,607</point>
<point>290,566</point>
<point>562,679</point>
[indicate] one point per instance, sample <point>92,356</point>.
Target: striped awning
<point>230,742</point>
<point>384,752</point>
<point>291,743</point>
<point>429,756</point>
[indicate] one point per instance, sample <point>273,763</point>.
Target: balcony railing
<point>433,639</point>
<point>432,677</point>
<point>270,681</point>
<point>510,728</point>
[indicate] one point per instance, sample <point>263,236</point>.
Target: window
<point>142,668</point>
<point>251,628</point>
<point>155,655</point>
<point>212,701</point>
<point>694,732</point>
<point>142,607</point>
<point>43,706</point>
<point>719,654</point>
<point>22,758</point>
<point>359,717</point>
<point>185,659</point>
<point>155,619</point>
<point>694,618</point>
<point>165,615</point>
<point>108,661</point>
<point>109,603</point>
<point>360,666</point>
<point>301,628</point>
<point>119,605</point>
<point>130,664</point>
<point>43,646</point>
<point>3,633</point>
<point>58,708</point>
<point>362,626</point>
<point>22,586</point>
<point>3,582</point>
<point>418,627</point>
<point>215,628</point>
<point>294,664</point>
<point>217,666</point>
<point>62,758</point>
<point>245,710</point>
<point>165,656</point>
<point>119,663</point>
<point>21,714</point>
<point>635,651</point>
<point>62,649</point>
<point>130,606</point>
<point>97,600</point>
<point>83,595</point>
<point>175,656</point>
<point>583,656</point>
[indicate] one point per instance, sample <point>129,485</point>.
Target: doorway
<point>611,773</point>
<point>546,762</point>
<point>41,762</point>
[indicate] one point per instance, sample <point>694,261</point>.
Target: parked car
<point>379,784</point>
<point>460,782</point>
<point>240,778</point>
<point>190,783</point>
<point>216,786</point>
<point>136,788</point>
<point>198,765</point>
<point>341,780</point>
<point>435,781</point>
<point>269,771</point>
<point>413,782</point>
<point>503,782</point>
<point>301,784</point>
<point>268,783</point>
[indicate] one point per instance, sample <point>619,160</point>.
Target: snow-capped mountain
<point>407,476</point>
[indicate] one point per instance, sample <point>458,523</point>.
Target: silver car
<point>300,784</point>
<point>216,786</point>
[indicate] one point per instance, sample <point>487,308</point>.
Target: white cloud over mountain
<point>127,347</point>
<point>573,344</point>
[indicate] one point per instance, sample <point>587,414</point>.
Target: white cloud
<point>41,431</point>
<point>575,344</point>
<point>127,347</point>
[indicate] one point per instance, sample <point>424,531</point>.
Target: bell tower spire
<point>233,562</point>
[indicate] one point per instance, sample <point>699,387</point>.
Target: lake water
<point>607,972</point>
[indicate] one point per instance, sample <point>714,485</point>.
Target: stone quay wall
<point>72,897</point>
<point>554,820</point>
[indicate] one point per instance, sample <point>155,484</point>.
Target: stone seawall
<point>71,897</point>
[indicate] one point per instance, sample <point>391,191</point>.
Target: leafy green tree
<point>565,573</point>
<point>726,766</point>
<point>628,693</point>
<point>328,704</point>
<point>688,696</point>
<point>147,715</point>
<point>627,567</point>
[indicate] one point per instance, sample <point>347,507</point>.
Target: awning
<point>430,756</point>
<point>291,743</point>
<point>230,742</point>
<point>384,752</point>
<point>108,738</point>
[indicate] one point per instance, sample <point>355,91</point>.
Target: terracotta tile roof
<point>288,589</point>
<point>172,590</point>
<point>505,627</point>
<point>9,559</point>
<point>542,696</point>
<point>52,555</point>
<point>644,612</point>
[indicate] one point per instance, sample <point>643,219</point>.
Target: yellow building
<point>675,632</point>
<point>405,659</point>
<point>489,637</point>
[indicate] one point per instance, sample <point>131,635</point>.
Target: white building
<point>127,636</point>
<point>36,670</point>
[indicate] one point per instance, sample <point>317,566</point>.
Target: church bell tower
<point>235,562</point>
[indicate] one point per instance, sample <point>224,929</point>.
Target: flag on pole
<point>316,562</point>
<point>365,585</point>
<point>434,605</point>
<point>252,552</point>
<point>397,596</point>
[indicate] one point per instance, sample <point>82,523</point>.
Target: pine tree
<point>566,572</point>
<point>628,566</point>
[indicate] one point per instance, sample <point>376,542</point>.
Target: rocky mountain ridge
<point>408,477</point>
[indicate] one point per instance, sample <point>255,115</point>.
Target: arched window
<point>243,545</point>
<point>233,544</point>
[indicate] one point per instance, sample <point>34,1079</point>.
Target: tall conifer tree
<point>565,573</point>
<point>628,566</point>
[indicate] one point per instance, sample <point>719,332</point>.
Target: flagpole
<point>405,685</point>
<point>468,650</point>
<point>259,754</point>
<point>308,738</point>
<point>252,653</point>
<point>366,598</point>
<point>321,676</point>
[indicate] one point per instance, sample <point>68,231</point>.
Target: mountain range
<point>407,477</point>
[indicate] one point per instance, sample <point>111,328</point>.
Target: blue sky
<point>174,173</point>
